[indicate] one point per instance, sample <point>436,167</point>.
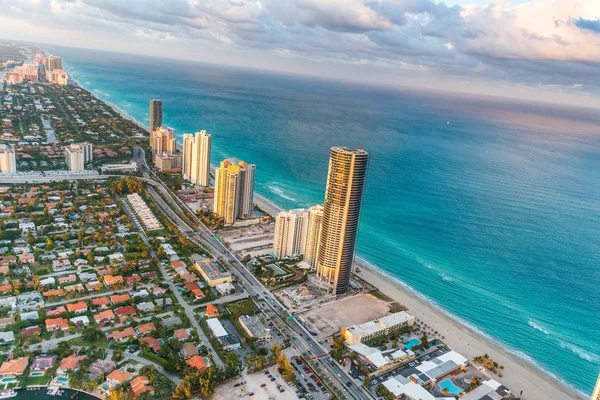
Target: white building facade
<point>290,233</point>
<point>8,162</point>
<point>196,158</point>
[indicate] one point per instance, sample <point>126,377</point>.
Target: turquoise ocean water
<point>489,208</point>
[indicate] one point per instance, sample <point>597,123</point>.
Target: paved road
<point>160,369</point>
<point>205,238</point>
<point>189,310</point>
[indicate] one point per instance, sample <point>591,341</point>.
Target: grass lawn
<point>242,307</point>
<point>40,269</point>
<point>37,380</point>
<point>132,255</point>
<point>102,342</point>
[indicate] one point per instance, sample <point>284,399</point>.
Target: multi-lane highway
<point>205,238</point>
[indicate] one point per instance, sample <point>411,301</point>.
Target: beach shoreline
<point>519,374</point>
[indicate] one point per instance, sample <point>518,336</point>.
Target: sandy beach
<point>518,374</point>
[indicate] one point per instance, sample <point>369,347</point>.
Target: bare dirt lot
<point>329,318</point>
<point>227,391</point>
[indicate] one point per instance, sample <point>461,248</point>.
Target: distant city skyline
<point>531,50</point>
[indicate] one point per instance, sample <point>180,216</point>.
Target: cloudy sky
<point>536,49</point>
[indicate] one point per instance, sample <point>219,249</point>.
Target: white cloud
<point>554,42</point>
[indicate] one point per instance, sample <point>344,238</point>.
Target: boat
<point>6,394</point>
<point>54,391</point>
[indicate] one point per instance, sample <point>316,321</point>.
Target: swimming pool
<point>62,379</point>
<point>447,384</point>
<point>411,343</point>
<point>7,380</point>
<point>37,373</point>
<point>105,386</point>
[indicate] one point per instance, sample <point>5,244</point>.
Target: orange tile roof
<point>119,298</point>
<point>119,376</point>
<point>57,311</point>
<point>71,362</point>
<point>101,301</point>
<point>54,322</point>
<point>118,335</point>
<point>52,293</point>
<point>14,367</point>
<point>146,328</point>
<point>140,385</point>
<point>77,306</point>
<point>104,315</point>
<point>181,334</point>
<point>211,309</point>
<point>197,362</point>
<point>110,280</point>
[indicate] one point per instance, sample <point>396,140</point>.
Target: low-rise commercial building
<point>254,328</point>
<point>382,326</point>
<point>212,272</point>
<point>143,212</point>
<point>227,340</point>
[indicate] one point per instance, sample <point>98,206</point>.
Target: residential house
<point>70,363</point>
<point>110,280</point>
<point>101,302</point>
<point>14,367</point>
<point>125,311</point>
<point>119,298</point>
<point>117,377</point>
<point>181,334</point>
<point>100,367</point>
<point>145,329</point>
<point>81,320</point>
<point>54,324</point>
<point>42,363</point>
<point>122,336</point>
<point>140,385</point>
<point>198,362</point>
<point>188,350</point>
<point>77,308</point>
<point>104,316</point>
<point>212,311</point>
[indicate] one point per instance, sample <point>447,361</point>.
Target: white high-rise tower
<point>196,158</point>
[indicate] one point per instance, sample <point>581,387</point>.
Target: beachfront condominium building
<point>155,116</point>
<point>313,235</point>
<point>290,233</point>
<point>196,158</point>
<point>341,212</point>
<point>77,155</point>
<point>8,162</point>
<point>234,190</point>
<point>164,141</point>
<point>52,63</point>
<point>596,392</point>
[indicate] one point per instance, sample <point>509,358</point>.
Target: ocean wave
<point>517,353</point>
<point>534,325</point>
<point>282,194</point>
<point>581,353</point>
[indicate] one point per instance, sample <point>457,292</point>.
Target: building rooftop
<point>254,327</point>
<point>216,327</point>
<point>382,323</point>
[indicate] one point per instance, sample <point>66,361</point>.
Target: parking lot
<point>308,385</point>
<point>259,383</point>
